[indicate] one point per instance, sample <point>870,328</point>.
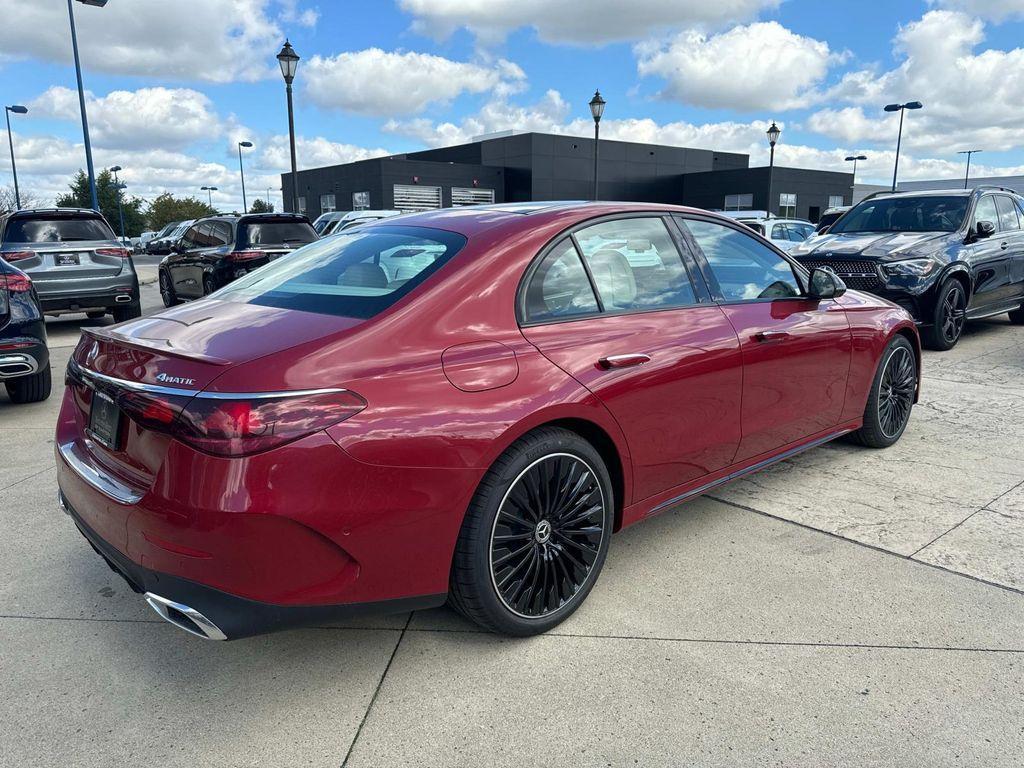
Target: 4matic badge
<point>163,377</point>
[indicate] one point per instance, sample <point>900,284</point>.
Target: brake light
<point>19,283</point>
<point>121,253</point>
<point>11,256</point>
<point>246,255</point>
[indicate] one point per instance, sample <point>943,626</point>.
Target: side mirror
<point>984,229</point>
<point>824,284</point>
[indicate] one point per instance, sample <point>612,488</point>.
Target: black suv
<point>24,359</point>
<point>946,256</point>
<point>218,249</point>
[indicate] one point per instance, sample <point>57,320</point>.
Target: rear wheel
<point>948,319</point>
<point>30,389</point>
<point>535,536</point>
<point>167,294</point>
<point>1017,316</point>
<point>127,312</point>
<point>892,396</point>
<point>95,315</point>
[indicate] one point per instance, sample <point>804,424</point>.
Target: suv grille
<point>858,275</point>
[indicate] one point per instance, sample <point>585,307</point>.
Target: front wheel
<point>535,536</point>
<point>948,318</point>
<point>892,396</point>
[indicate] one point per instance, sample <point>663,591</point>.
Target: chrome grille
<point>858,275</point>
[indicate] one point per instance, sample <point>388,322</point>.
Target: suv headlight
<point>913,267</point>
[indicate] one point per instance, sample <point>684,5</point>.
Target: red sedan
<point>459,405</point>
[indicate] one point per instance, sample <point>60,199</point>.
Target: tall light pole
<point>209,194</point>
<point>596,110</point>
<point>289,61</point>
<point>81,99</point>
<point>118,186</point>
<point>967,173</point>
<point>773,134</point>
<point>241,170</point>
<point>18,110</point>
<point>853,186</point>
<point>901,108</point>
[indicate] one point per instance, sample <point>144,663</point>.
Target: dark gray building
<point>538,166</point>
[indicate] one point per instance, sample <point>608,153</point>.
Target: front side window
<point>799,232</point>
<point>1007,214</point>
<point>56,229</point>
<point>928,213</point>
<point>787,205</point>
<point>986,211</point>
<point>744,268</point>
<point>559,288</point>
<point>780,232</point>
<point>193,237</point>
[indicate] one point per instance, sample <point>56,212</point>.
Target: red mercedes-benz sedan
<point>461,404</point>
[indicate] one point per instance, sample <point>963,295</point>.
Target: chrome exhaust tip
<point>184,617</point>
<point>12,366</point>
<point>122,299</point>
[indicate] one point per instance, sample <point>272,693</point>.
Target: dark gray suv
<point>74,259</point>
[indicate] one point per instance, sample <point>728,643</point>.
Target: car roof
<point>61,211</point>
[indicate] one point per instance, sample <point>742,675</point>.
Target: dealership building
<point>524,167</point>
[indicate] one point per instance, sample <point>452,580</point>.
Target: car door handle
<point>624,361</point>
<point>1004,246</point>
<point>769,336</point>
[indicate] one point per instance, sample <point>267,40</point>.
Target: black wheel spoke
<point>896,391</point>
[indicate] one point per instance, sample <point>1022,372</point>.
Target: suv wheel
<point>948,318</point>
<point>208,286</point>
<point>1017,316</point>
<point>30,389</point>
<point>127,312</point>
<point>167,294</point>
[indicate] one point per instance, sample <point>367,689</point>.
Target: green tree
<point>166,208</point>
<point>261,206</point>
<point>106,192</point>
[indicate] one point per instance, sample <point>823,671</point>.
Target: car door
<point>1012,244</point>
<point>796,351</point>
<point>616,306</point>
<point>988,259</point>
<point>179,263</point>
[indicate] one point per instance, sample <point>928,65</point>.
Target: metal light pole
<point>289,61</point>
<point>209,194</point>
<point>596,110</point>
<point>241,170</point>
<point>899,137</point>
<point>853,187</point>
<point>81,99</point>
<point>18,110</point>
<point>118,186</point>
<point>773,134</point>
<point>968,152</point>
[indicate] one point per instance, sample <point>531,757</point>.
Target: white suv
<point>333,222</point>
<point>784,233</point>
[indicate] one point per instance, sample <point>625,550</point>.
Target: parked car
<point>459,406</point>
<point>784,233</point>
<point>24,359</point>
<point>74,259</point>
<point>161,246</point>
<point>946,256</point>
<point>143,240</point>
<point>333,222</point>
<point>216,250</point>
<point>830,217</point>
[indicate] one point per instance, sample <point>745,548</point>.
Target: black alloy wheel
<point>167,293</point>
<point>896,398</point>
<point>950,315</point>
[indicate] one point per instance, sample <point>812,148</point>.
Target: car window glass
<point>986,211</point>
<point>1007,214</point>
<point>276,232</point>
<point>779,232</point>
<point>800,232</point>
<point>218,236</point>
<point>635,265</point>
<point>191,237</point>
<point>904,214</point>
<point>559,287</point>
<point>744,268</point>
<point>57,229</point>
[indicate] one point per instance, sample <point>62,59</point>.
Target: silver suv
<point>74,259</point>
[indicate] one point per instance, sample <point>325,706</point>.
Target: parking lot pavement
<point>801,620</point>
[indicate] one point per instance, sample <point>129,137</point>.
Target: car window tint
<point>1007,213</point>
<point>559,287</point>
<point>986,211</point>
<point>635,265</point>
<point>276,232</point>
<point>779,232</point>
<point>191,238</point>
<point>800,232</point>
<point>56,229</point>
<point>744,268</point>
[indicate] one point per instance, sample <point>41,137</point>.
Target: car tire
<point>557,540</point>
<point>129,312</point>
<point>30,389</point>
<point>167,293</point>
<point>208,286</point>
<point>892,396</point>
<point>95,315</point>
<point>1017,316</point>
<point>947,322</point>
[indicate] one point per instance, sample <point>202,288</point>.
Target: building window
<point>412,197</point>
<point>302,205</point>
<point>360,201</point>
<point>835,201</point>
<point>739,202</point>
<point>471,196</point>
<point>787,205</point>
<point>327,204</point>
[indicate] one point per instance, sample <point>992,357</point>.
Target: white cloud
<point>996,10</point>
<point>761,66</point>
<point>575,21</point>
<point>275,155</point>
<point>378,82</point>
<point>210,40</point>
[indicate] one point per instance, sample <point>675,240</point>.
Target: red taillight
<point>121,253</point>
<point>19,283</point>
<point>246,255</point>
<point>152,411</point>
<point>11,256</point>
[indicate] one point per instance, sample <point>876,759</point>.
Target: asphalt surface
<point>846,607</point>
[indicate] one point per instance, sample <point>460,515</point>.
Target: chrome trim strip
<point>752,468</point>
<point>204,628</point>
<point>109,487</point>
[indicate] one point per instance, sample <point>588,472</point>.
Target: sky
<point>173,85</point>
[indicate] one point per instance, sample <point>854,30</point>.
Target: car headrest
<point>614,278</point>
<point>364,275</point>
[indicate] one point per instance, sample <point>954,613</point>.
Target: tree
<point>260,206</point>
<point>29,199</point>
<point>166,208</point>
<point>106,192</point>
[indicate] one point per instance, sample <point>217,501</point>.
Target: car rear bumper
<point>23,350</point>
<point>87,294</point>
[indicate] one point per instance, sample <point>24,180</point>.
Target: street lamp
<point>596,110</point>
<point>119,186</point>
<point>967,173</point>
<point>899,138</point>
<point>18,110</point>
<point>289,61</point>
<point>81,98</point>
<point>853,187</point>
<point>241,170</point>
<point>773,134</point>
<point>209,194</point>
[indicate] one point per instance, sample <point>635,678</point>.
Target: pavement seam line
<point>376,692</point>
<point>980,509</point>
<point>34,474</point>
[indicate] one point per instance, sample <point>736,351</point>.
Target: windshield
<point>275,233</point>
<point>57,229</point>
<point>905,214</point>
<point>355,274</point>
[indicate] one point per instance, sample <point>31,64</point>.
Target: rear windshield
<point>275,233</point>
<point>355,274</point>
<point>56,229</point>
<point>905,214</point>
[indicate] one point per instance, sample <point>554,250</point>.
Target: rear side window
<point>56,229</point>
<point>253,233</point>
<point>357,274</point>
<point>1007,214</point>
<point>559,288</point>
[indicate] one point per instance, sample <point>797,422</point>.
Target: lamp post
<point>853,186</point>
<point>289,61</point>
<point>899,137</point>
<point>596,110</point>
<point>773,134</point>
<point>18,110</point>
<point>119,186</point>
<point>209,194</point>
<point>967,173</point>
<point>241,171</point>
<point>81,98</point>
